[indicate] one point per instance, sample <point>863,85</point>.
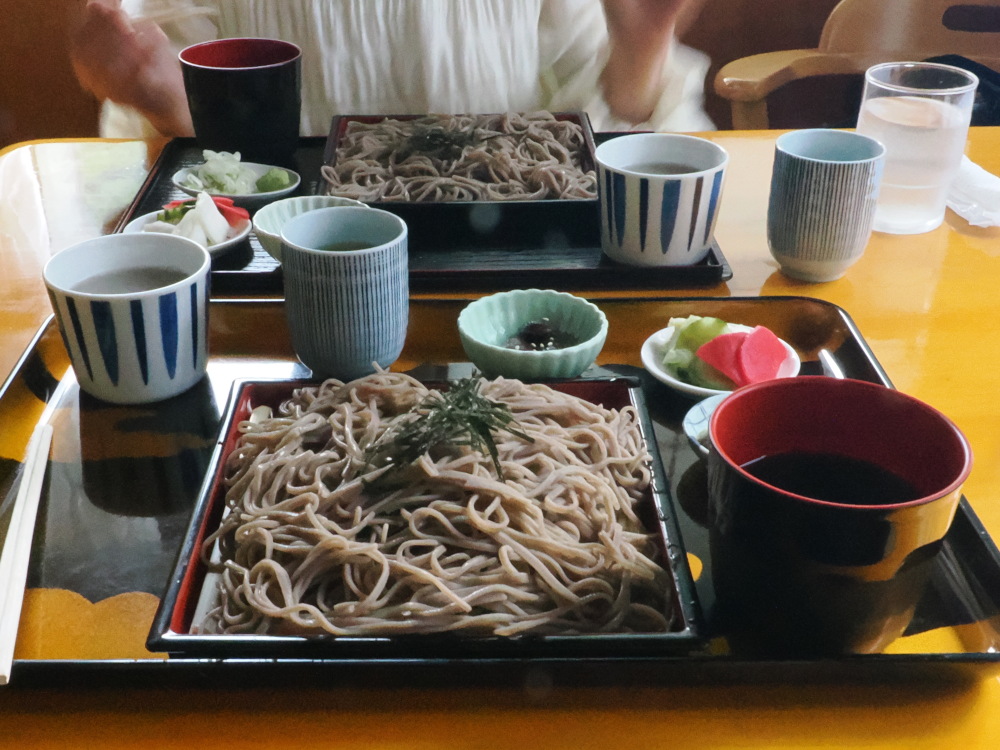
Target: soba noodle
<point>461,158</point>
<point>309,547</point>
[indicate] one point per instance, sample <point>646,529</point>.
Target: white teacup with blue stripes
<point>824,188</point>
<point>660,196</point>
<point>346,277</point>
<point>133,313</point>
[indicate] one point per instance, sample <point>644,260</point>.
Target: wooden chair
<point>857,34</point>
<point>39,94</point>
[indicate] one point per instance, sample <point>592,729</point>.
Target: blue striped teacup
<point>133,313</point>
<point>346,280</point>
<point>824,187</point>
<point>660,197</point>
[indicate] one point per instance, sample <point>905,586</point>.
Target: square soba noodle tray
<point>464,221</point>
<point>192,588</point>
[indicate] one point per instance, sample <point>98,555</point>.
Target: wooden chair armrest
<point>753,78</point>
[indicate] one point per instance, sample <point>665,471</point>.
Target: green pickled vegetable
<point>679,356</point>
<point>274,179</point>
<point>700,330</point>
<point>174,214</point>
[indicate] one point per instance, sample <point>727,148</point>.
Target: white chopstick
<point>17,543</point>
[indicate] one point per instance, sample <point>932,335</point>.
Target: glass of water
<point>920,112</point>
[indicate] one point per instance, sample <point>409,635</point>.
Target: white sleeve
<point>185,22</point>
<point>574,47</point>
<point>120,121</point>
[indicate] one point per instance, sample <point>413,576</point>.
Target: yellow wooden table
<point>926,306</point>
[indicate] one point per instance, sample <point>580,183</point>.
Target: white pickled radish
<point>213,223</point>
<point>160,226</point>
<point>190,226</point>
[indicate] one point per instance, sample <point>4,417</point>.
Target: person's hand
<point>131,63</point>
<point>640,34</point>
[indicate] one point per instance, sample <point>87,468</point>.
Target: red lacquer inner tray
<point>175,631</point>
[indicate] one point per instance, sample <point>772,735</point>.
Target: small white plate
<point>696,422</point>
<point>259,171</point>
<point>236,234</point>
<point>652,359</point>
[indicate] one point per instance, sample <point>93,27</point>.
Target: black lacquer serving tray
<point>124,483</point>
<point>555,244</point>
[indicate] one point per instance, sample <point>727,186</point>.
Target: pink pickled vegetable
<point>722,353</point>
<point>761,356</point>
<point>745,357</point>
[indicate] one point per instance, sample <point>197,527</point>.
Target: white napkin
<point>975,195</point>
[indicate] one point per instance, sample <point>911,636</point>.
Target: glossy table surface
<point>926,305</point>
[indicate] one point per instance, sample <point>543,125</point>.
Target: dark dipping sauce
<point>540,335</point>
<point>832,478</point>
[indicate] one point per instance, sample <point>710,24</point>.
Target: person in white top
<point>618,60</point>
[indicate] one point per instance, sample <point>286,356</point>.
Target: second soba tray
<point>556,246</point>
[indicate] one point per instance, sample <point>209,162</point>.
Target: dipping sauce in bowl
<point>541,335</point>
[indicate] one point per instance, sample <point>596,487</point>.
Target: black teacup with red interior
<point>245,95</point>
<point>828,501</point>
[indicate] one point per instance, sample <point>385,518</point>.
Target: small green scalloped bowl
<point>486,324</point>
